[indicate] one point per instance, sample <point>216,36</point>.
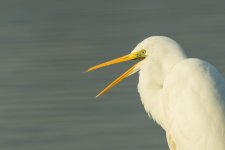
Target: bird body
<point>193,103</point>
<point>185,96</point>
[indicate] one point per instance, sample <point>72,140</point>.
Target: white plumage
<point>185,96</point>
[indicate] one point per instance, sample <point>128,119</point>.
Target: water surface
<point>48,103</point>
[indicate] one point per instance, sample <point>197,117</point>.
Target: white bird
<point>185,96</point>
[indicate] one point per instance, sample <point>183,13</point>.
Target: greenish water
<point>48,103</point>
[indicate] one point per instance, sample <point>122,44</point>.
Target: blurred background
<point>48,103</point>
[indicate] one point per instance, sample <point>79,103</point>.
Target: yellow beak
<point>132,56</point>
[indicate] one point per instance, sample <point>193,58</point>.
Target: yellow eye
<point>141,54</point>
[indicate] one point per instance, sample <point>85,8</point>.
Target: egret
<point>185,96</point>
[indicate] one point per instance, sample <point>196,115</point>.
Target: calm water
<point>48,103</point>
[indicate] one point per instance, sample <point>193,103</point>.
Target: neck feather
<point>151,78</point>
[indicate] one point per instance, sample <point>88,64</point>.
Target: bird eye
<point>144,51</point>
<point>141,53</point>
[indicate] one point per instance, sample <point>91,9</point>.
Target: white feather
<point>185,96</point>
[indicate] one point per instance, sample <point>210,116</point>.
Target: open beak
<point>132,56</point>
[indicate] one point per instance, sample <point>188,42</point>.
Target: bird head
<point>154,48</point>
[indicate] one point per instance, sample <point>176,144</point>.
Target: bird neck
<point>151,79</point>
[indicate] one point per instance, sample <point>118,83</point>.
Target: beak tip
<point>99,94</point>
<point>89,69</point>
<point>86,71</point>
